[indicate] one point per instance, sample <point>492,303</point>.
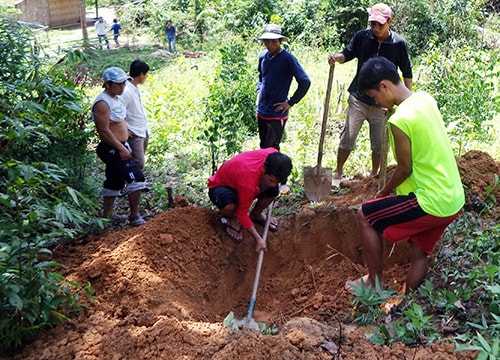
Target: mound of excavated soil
<point>163,289</point>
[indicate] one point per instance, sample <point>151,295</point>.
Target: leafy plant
<point>44,152</point>
<point>487,350</point>
<point>413,328</point>
<point>368,302</point>
<point>467,99</point>
<point>32,294</point>
<point>230,115</point>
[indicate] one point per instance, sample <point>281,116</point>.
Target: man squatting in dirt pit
<point>428,189</point>
<point>379,40</point>
<point>108,114</point>
<point>250,175</point>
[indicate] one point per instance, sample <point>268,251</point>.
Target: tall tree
<point>83,21</point>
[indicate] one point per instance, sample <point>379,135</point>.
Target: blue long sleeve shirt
<point>275,78</point>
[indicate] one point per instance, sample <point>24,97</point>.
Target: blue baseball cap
<point>114,74</point>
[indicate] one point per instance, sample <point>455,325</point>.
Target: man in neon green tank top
<point>428,190</point>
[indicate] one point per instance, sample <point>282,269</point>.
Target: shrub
<point>230,107</point>
<point>41,135</point>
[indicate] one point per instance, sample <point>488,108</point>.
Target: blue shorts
<point>222,196</point>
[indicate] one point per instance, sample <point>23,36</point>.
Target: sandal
<point>226,225</point>
<point>136,221</point>
<point>272,227</point>
<point>116,218</point>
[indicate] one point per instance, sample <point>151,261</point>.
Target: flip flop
<point>272,227</point>
<point>226,225</point>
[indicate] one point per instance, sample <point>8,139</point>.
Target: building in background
<point>50,13</point>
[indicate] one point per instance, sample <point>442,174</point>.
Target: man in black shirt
<point>379,40</point>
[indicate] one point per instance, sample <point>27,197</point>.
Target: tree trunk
<point>83,22</point>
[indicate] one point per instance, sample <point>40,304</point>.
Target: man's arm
<point>402,148</point>
<point>408,82</point>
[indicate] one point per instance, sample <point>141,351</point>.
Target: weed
<point>368,302</point>
<point>413,328</point>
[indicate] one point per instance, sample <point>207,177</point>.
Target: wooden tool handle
<point>325,114</point>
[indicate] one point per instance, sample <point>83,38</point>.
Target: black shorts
<point>118,172</point>
<point>222,196</point>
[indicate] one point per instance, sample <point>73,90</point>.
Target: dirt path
<point>162,290</point>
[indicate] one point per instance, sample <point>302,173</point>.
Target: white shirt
<point>100,27</point>
<point>137,122</point>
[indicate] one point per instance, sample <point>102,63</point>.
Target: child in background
<point>116,27</point>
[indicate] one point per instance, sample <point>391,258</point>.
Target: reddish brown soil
<point>163,289</point>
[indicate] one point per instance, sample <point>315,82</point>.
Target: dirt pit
<point>163,289</point>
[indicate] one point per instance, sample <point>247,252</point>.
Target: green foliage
<point>490,198</point>
<point>368,302</point>
<point>32,295</point>
<point>415,22</point>
<point>413,328</point>
<point>230,107</point>
<point>463,82</point>
<point>443,24</point>
<point>42,167</point>
<point>349,16</point>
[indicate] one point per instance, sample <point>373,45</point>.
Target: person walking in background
<point>379,40</point>
<point>116,27</point>
<point>277,67</point>
<point>170,33</point>
<point>108,114</point>
<point>100,27</point>
<point>250,175</point>
<point>429,191</point>
<point>137,121</point>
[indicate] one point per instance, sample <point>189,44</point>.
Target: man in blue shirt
<point>277,67</point>
<point>170,32</point>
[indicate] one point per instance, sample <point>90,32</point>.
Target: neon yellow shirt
<point>434,179</point>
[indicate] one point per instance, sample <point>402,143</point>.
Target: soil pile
<point>163,289</point>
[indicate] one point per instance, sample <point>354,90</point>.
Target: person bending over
<point>428,190</point>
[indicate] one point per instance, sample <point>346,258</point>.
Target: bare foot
<point>274,225</point>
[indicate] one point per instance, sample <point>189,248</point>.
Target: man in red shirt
<point>249,175</point>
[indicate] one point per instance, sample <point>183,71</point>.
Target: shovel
<point>248,321</point>
<point>318,180</point>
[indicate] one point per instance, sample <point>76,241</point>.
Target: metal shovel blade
<point>317,182</point>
